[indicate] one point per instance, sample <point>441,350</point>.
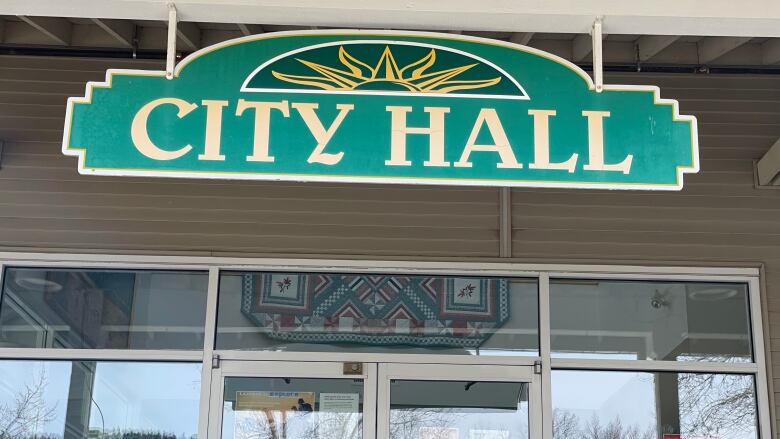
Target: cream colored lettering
<point>542,144</point>
<point>596,145</point>
<point>489,117</point>
<point>260,151</point>
<point>139,132</point>
<point>213,130</point>
<point>322,135</point>
<point>399,131</point>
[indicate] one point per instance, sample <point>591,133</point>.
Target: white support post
<point>171,54</point>
<point>58,30</point>
<point>208,351</point>
<point>768,167</point>
<point>650,45</point>
<point>598,67</point>
<point>765,418</point>
<point>710,49</point>
<point>250,29</point>
<point>770,51</point>
<point>521,38</point>
<point>121,30</point>
<point>545,348</point>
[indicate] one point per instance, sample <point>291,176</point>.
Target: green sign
<point>380,107</point>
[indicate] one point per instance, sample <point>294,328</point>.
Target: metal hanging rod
<point>170,62</point>
<point>598,60</point>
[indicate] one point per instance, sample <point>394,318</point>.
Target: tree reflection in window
<point>291,424</point>
<point>713,405</point>
<point>647,405</point>
<point>23,414</point>
<point>98,399</point>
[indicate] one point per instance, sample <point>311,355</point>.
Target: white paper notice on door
<point>340,402</point>
<point>488,434</point>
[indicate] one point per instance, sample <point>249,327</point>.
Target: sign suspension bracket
<point>170,60</point>
<point>598,61</point>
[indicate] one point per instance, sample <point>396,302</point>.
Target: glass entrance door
<point>293,400</point>
<point>446,401</point>
<point>328,400</point>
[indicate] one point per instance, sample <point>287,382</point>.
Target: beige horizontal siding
<point>719,218</point>
<point>719,215</point>
<point>45,203</point>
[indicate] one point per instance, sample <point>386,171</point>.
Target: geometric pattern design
<point>375,309</point>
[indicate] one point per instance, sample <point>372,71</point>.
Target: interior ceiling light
<point>38,284</point>
<point>710,292</point>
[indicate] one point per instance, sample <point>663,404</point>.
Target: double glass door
<point>329,400</point>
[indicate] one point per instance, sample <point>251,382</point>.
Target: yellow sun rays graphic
<point>386,75</point>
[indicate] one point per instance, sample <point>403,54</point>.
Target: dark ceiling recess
<point>608,67</point>
<point>147,40</point>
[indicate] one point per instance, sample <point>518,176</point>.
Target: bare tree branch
<point>27,412</point>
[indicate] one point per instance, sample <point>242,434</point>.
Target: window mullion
<point>759,356</point>
<point>544,351</point>
<point>2,285</point>
<point>655,366</point>
<point>208,350</point>
<point>100,354</point>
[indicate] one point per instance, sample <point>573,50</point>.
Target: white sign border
<point>107,83</point>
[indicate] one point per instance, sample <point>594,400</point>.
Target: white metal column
<point>208,350</point>
<point>762,390</point>
<point>544,351</point>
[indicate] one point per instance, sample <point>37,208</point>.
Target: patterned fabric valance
<point>379,310</point>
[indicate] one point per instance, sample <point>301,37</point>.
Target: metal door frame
<point>458,372</point>
<point>289,369</point>
<point>376,385</point>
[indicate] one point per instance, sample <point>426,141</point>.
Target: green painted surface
<point>509,79</point>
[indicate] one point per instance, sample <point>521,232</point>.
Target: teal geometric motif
<point>376,309</point>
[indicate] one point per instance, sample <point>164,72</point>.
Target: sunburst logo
<point>383,68</point>
<point>418,76</point>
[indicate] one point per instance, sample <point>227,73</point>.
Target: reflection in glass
<point>106,400</point>
<point>458,410</point>
<point>102,309</point>
<point>292,408</point>
<point>377,313</point>
<point>675,321</point>
<point>646,405</point>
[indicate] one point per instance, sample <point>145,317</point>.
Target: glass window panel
<point>675,321</point>
<point>648,405</point>
<point>458,409</point>
<point>102,309</point>
<point>98,399</point>
<point>292,408</point>
<point>377,313</point>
